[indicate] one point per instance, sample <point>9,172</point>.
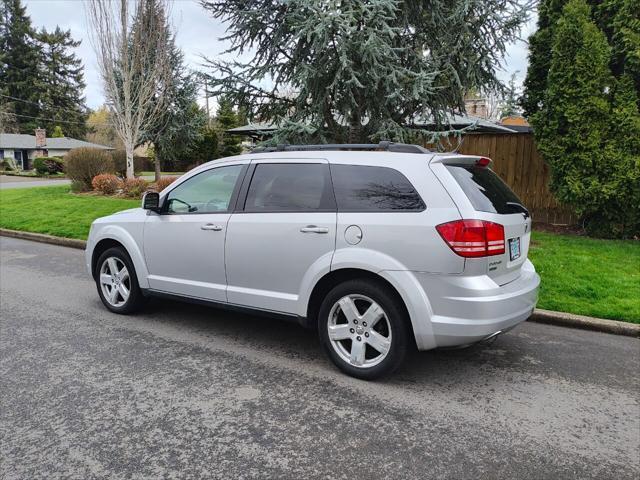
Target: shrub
<point>8,163</point>
<point>164,182</point>
<point>106,183</point>
<point>82,164</point>
<point>48,165</point>
<point>77,186</point>
<point>120,163</point>
<point>134,187</point>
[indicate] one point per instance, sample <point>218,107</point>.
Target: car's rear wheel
<point>363,328</point>
<point>117,282</point>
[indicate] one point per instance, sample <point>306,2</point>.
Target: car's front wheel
<point>363,328</point>
<point>117,282</point>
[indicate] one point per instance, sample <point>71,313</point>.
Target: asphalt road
<point>8,181</point>
<point>188,392</point>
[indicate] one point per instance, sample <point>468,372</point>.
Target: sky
<point>197,35</point>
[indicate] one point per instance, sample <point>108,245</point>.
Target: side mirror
<point>151,201</point>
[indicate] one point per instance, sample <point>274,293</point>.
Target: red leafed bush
<point>164,182</point>
<point>106,183</point>
<point>134,187</point>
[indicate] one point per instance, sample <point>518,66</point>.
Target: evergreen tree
<point>509,105</point>
<point>207,147</point>
<point>619,20</point>
<point>580,134</point>
<point>360,70</point>
<point>178,126</point>
<point>57,132</point>
<point>63,83</point>
<point>227,119</point>
<point>20,66</point>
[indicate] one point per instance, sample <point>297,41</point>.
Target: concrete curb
<point>586,323</point>
<point>539,316</point>
<point>41,237</point>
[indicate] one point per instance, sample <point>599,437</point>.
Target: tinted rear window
<point>361,188</point>
<point>484,189</point>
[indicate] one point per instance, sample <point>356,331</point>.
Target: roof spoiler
<point>384,146</point>
<point>467,160</point>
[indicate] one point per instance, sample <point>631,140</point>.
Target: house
<point>24,148</point>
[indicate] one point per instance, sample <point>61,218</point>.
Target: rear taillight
<point>473,238</point>
<point>483,162</point>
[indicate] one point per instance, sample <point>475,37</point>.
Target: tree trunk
<point>129,150</point>
<point>156,165</point>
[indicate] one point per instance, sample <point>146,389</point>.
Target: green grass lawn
<point>599,278</point>
<point>55,211</point>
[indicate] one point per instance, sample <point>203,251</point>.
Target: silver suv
<point>381,247</point>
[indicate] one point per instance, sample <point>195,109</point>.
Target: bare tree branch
<point>132,48</point>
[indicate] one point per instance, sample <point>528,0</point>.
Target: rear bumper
<point>474,307</point>
<point>453,310</point>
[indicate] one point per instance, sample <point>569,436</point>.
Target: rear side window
<point>361,188</point>
<point>484,189</point>
<point>290,187</point>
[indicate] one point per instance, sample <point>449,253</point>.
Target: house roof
<point>28,142</point>
<point>476,124</point>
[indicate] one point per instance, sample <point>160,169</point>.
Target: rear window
<point>484,189</point>
<point>361,188</point>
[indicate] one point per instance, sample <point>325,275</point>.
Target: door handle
<point>314,229</point>
<point>211,226</point>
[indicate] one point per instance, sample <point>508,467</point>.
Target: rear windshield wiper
<point>519,207</point>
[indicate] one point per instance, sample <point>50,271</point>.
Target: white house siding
<point>57,153</point>
<point>8,153</point>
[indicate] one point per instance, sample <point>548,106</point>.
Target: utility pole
<point>206,96</point>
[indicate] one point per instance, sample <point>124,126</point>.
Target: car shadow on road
<point>288,339</point>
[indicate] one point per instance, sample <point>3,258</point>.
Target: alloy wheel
<point>115,281</point>
<point>359,331</point>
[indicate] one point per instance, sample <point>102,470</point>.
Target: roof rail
<point>382,146</point>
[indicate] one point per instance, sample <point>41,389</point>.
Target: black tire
<point>397,320</point>
<point>136,300</point>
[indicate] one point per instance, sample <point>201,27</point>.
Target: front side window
<point>290,187</point>
<point>362,188</point>
<point>207,192</point>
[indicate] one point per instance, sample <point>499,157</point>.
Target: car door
<point>285,223</point>
<point>184,244</point>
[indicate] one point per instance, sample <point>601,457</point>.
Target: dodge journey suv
<point>381,247</point>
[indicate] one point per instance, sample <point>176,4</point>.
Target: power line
<point>53,119</point>
<point>38,104</point>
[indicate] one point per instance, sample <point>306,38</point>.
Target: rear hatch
<point>481,195</point>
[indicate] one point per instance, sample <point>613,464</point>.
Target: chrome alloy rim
<point>359,331</point>
<point>115,281</point>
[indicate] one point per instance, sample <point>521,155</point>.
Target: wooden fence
<point>516,160</point>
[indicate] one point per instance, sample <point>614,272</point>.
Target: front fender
<point>119,234</point>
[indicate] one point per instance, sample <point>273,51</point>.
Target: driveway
<point>184,391</point>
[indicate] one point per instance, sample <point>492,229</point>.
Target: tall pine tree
<point>20,67</point>
<point>226,119</point>
<point>63,83</point>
